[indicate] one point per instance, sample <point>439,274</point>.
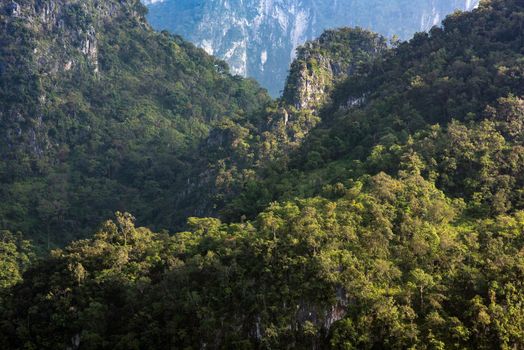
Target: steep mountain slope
<point>258,37</point>
<point>98,113</point>
<point>404,227</point>
<point>450,74</point>
<point>247,152</point>
<point>323,63</point>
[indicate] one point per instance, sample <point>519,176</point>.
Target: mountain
<point>100,113</point>
<point>395,221</point>
<point>323,63</point>
<point>247,154</point>
<point>258,38</point>
<point>446,75</point>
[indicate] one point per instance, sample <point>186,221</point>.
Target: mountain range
<point>258,38</point>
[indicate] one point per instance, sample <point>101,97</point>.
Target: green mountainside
<point>467,75</point>
<point>99,113</point>
<point>377,205</point>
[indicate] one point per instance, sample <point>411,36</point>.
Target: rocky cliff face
<point>43,43</point>
<point>324,62</point>
<point>258,38</point>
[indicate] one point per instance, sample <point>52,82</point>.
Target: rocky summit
<point>258,38</point>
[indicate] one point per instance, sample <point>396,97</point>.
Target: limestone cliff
<point>319,67</point>
<point>65,34</point>
<point>323,63</point>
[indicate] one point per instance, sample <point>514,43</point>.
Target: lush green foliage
<point>396,223</point>
<point>15,257</point>
<point>99,113</point>
<point>250,153</point>
<point>464,71</point>
<point>391,263</point>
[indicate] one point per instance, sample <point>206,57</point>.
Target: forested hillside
<point>100,113</point>
<point>237,155</point>
<point>386,214</point>
<point>467,75</point>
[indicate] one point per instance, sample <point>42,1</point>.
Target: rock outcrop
<point>319,67</point>
<point>323,63</point>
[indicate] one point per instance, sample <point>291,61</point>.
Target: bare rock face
<point>258,38</point>
<point>12,9</point>
<point>313,78</point>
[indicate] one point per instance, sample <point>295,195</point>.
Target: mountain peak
<point>324,62</point>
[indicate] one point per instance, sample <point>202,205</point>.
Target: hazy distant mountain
<point>258,38</point>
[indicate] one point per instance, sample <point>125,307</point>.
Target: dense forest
<point>100,113</point>
<point>378,204</point>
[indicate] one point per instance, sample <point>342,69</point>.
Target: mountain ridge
<point>258,38</point>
